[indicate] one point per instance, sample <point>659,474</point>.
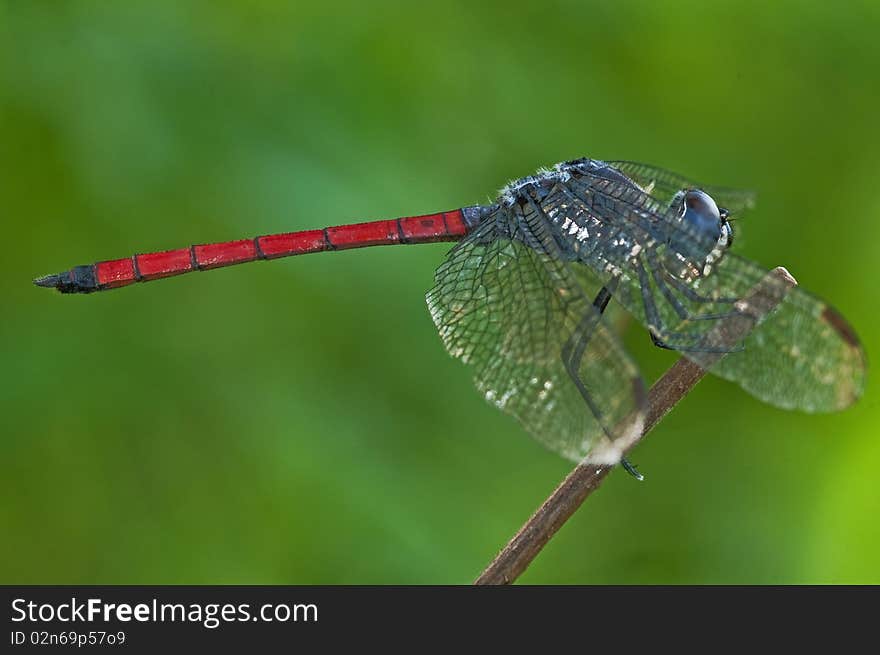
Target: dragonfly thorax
<point>603,218</point>
<point>539,184</point>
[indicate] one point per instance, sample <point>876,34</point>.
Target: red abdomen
<point>444,226</point>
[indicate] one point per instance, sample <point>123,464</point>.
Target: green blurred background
<point>299,421</point>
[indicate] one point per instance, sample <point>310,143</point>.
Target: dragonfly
<point>521,298</point>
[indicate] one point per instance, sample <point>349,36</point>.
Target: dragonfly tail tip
<point>48,281</point>
<point>79,279</point>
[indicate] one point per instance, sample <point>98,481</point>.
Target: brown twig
<point>672,386</point>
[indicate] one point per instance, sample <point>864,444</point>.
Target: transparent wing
<point>803,355</point>
<point>664,184</point>
<point>538,347</point>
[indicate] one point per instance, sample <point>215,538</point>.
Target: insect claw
<point>631,469</point>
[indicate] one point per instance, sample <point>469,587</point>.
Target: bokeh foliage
<point>298,421</point>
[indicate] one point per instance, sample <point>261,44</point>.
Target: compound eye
<point>701,203</point>
<point>701,215</point>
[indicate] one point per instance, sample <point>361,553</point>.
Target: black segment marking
<point>328,245</point>
<point>192,259</point>
<point>137,270</point>
<point>400,233</point>
<point>260,253</point>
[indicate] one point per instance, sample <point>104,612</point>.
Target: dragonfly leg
<point>631,469</point>
<point>676,304</point>
<point>659,335</point>
<point>684,347</point>
<point>575,346</point>
<point>573,353</point>
<point>692,295</point>
<point>680,309</point>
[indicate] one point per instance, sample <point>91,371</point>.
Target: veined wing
<point>663,185</point>
<point>539,351</point>
<point>820,353</point>
<point>803,355</point>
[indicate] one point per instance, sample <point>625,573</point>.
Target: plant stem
<point>672,386</point>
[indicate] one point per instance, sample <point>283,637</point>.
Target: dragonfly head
<point>706,230</point>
